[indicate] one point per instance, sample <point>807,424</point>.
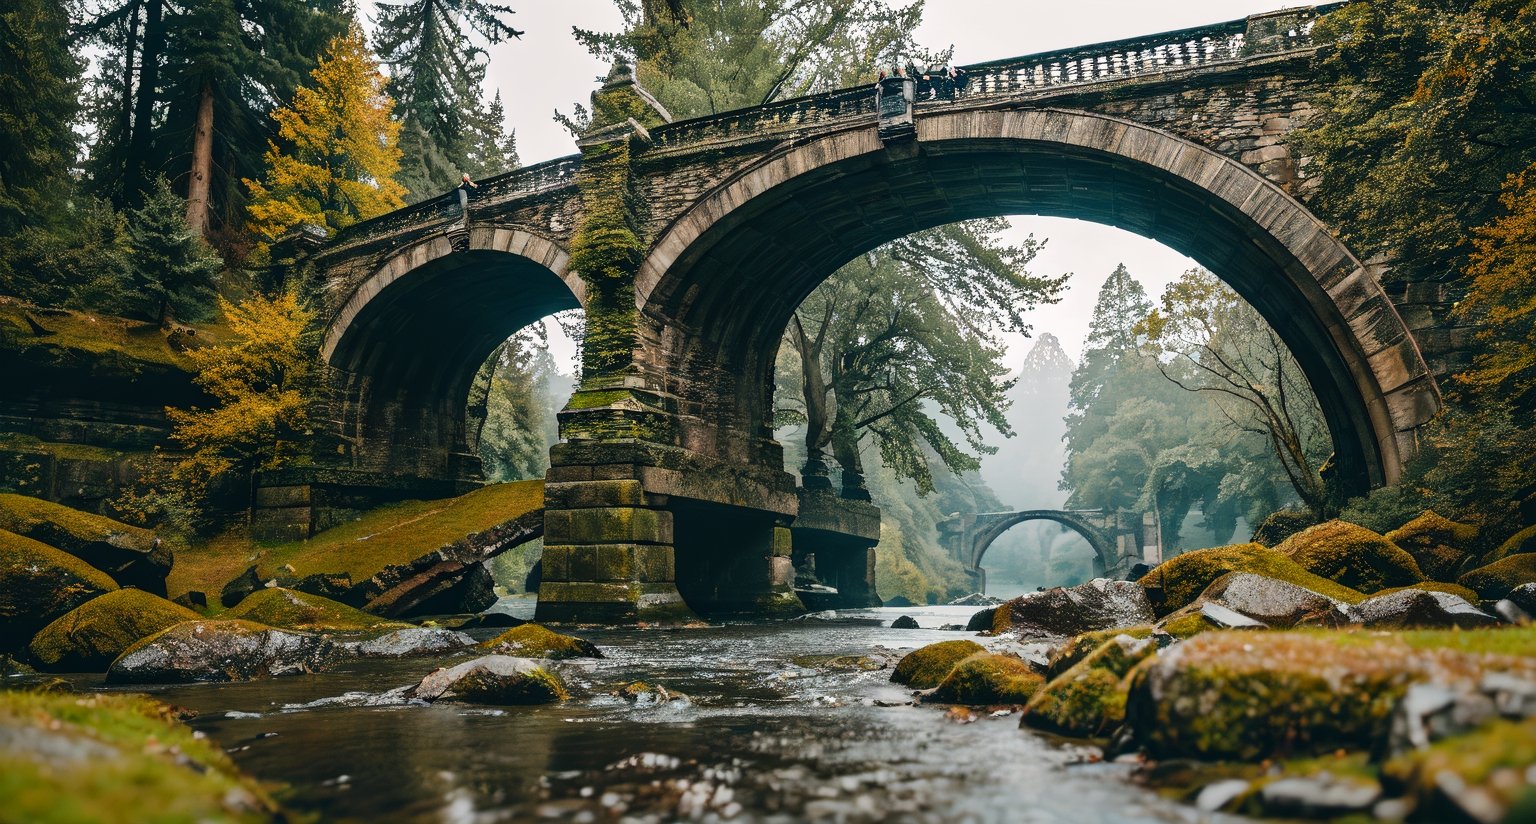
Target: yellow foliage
<point>1502,295</point>
<point>340,156</point>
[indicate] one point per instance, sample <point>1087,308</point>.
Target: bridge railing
<point>1282,31</point>
<point>787,114</point>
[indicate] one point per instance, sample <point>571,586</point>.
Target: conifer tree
<point>173,270</point>
<point>337,161</point>
<point>39,96</point>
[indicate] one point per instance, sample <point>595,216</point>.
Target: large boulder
<point>1272,602</point>
<point>90,637</point>
<point>1519,543</point>
<point>130,555</point>
<point>411,641</point>
<point>987,678</point>
<point>1181,579</point>
<point>1442,547</point>
<point>1089,698</point>
<point>1063,612</point>
<point>1497,579</point>
<point>982,621</point>
<point>1281,524</point>
<point>1417,608</point>
<point>493,679</point>
<point>38,584</point>
<point>291,609</point>
<point>1353,556</point>
<point>226,650</point>
<point>534,641</point>
<point>924,668</point>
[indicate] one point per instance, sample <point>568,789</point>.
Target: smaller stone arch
<point>976,533</point>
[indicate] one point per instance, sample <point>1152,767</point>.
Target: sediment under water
<point>764,739</point>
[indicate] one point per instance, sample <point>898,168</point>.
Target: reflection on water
<point>765,739</point>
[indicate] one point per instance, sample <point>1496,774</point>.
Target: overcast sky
<point>547,70</point>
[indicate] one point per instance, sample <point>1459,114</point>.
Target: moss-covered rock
<point>228,650</point>
<point>924,668</point>
<point>1231,695</point>
<point>127,553</point>
<point>1281,524</point>
<point>1067,655</point>
<point>1479,776</point>
<point>1063,612</point>
<point>642,693</point>
<point>1353,556</point>
<point>1442,547</point>
<point>493,679</point>
<point>291,609</point>
<point>987,678</point>
<point>535,641</point>
<point>1495,580</point>
<point>1521,542</point>
<point>92,635</point>
<point>1089,698</point>
<point>108,757</point>
<point>1182,578</point>
<point>1437,586</point>
<point>38,584</point>
<point>1271,602</point>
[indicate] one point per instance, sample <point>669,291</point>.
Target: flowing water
<point>768,736</point>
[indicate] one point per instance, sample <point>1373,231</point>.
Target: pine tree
<point>495,149</point>
<point>338,160</point>
<point>39,93</point>
<point>172,269</point>
<point>436,72</point>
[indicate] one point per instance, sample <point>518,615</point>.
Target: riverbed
<point>767,736</point>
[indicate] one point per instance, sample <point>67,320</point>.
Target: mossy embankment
<point>92,333</point>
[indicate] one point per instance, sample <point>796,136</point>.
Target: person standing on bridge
<point>465,184</point>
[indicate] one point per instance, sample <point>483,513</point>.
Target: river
<point>765,738</point>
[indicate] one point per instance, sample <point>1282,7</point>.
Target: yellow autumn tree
<point>1501,298</point>
<point>338,155</point>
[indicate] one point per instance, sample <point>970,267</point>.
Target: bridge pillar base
<point>842,535</point>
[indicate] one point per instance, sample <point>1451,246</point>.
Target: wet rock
<point>1065,612</point>
<point>1524,597</point>
<point>1067,656</point>
<point>982,621</point>
<point>904,622</point>
<point>1500,578</point>
<point>1318,796</point>
<point>878,659</point>
<point>641,693</point>
<point>985,679</point>
<point>926,667</point>
<point>976,599</point>
<point>1089,698</point>
<point>1441,547</point>
<point>1510,613</point>
<point>225,650</point>
<point>130,555</point>
<point>899,601</point>
<point>1228,618</point>
<point>413,641</point>
<point>1183,578</point>
<point>38,584</point>
<point>493,679</point>
<point>1430,712</point>
<point>291,609</point>
<point>192,599</point>
<point>534,641</point>
<point>1353,556</point>
<point>1411,608</point>
<point>1274,602</point>
<point>89,637</point>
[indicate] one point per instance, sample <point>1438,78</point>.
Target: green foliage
<point>173,270</point>
<point>39,97</point>
<point>522,391</point>
<point>1501,298</point>
<point>926,667</point>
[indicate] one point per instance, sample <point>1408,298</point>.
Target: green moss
<point>986,678</point>
<point>12,442</point>
<point>1437,586</point>
<point>290,609</point>
<point>927,667</point>
<point>1353,556</point>
<point>538,686</point>
<point>1067,655</point>
<point>1089,698</point>
<point>66,527</point>
<point>595,399</point>
<point>1493,761</point>
<point>1187,626</point>
<point>1440,546</point>
<point>39,583</point>
<point>92,635</point>
<point>1185,576</point>
<point>1281,524</point>
<point>149,766</point>
<point>534,641</point>
<point>1495,580</point>
<point>1521,542</point>
<point>606,251</point>
<point>1517,642</point>
<point>92,333</point>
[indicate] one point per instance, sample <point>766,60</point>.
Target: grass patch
<point>104,334</point>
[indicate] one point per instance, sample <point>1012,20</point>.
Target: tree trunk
<point>202,163</point>
<point>136,177</point>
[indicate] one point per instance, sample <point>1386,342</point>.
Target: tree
<point>338,159</point>
<point>522,393</point>
<point>495,149</point>
<point>437,68</point>
<point>39,94</point>
<point>1501,297</point>
<point>1233,354</point>
<point>172,269</point>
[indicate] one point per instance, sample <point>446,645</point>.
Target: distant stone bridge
<point>1120,540</point>
<point>668,493</point>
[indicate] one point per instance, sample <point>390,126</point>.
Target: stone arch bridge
<point>668,492</point>
<point>1120,540</point>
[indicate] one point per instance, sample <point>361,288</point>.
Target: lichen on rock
<point>89,637</point>
<point>493,679</point>
<point>925,667</point>
<point>225,650</point>
<point>535,641</point>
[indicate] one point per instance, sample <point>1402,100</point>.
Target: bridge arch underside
<point>406,348</point>
<point>1106,554</point>
<point>725,278</point>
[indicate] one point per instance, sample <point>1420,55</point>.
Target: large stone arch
<point>405,344</point>
<point>721,280</point>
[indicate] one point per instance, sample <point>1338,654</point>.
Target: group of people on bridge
<point>933,82</point>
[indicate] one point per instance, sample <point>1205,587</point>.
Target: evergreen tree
<point>338,157</point>
<point>495,149</point>
<point>173,270</point>
<point>436,69</point>
<point>39,94</point>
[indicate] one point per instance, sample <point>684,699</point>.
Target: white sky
<point>547,70</point>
